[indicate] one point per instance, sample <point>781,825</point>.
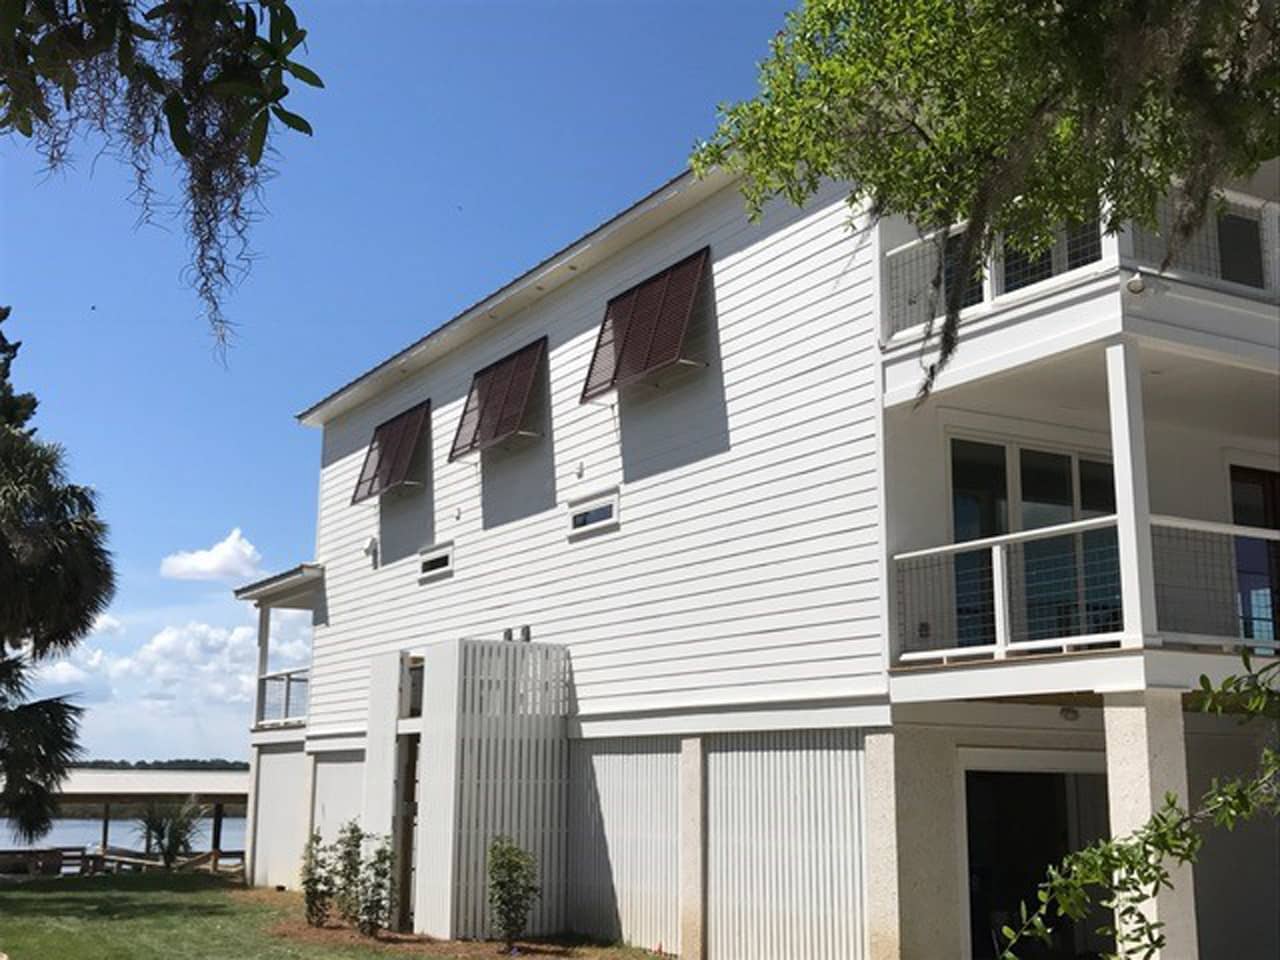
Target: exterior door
<point>979,508</point>
<point>1255,502</point>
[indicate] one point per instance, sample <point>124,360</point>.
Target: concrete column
<point>917,899</point>
<point>1147,759</point>
<point>251,819</point>
<point>693,849</point>
<point>1133,504</point>
<point>883,913</point>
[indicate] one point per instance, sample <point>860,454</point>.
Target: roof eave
<point>645,215</point>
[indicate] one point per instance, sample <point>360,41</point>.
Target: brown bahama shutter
<point>644,328</point>
<point>498,401</point>
<point>386,462</point>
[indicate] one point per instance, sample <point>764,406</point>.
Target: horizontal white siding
<point>624,840</point>
<point>784,850</point>
<point>746,564</point>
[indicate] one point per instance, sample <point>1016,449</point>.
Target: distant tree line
<point>180,764</point>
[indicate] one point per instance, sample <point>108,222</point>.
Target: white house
<point>652,560</point>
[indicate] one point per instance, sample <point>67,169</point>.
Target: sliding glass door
<point>1255,502</point>
<point>1061,586</point>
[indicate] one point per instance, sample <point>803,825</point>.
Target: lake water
<point>123,833</point>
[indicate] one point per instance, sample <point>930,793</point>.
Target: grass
<point>158,916</point>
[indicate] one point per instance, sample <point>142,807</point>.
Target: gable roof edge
<point>648,213</point>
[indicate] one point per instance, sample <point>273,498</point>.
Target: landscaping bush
<point>377,891</point>
<point>348,855</point>
<point>317,881</point>
<point>513,872</point>
<point>172,830</point>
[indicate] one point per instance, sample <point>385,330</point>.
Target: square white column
<point>1147,759</point>
<point>1133,504</point>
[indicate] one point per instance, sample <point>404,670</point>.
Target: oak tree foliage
<point>1009,116</point>
<point>199,86</point>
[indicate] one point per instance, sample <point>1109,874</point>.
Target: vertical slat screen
<point>784,851</point>
<point>513,774</point>
<point>624,841</point>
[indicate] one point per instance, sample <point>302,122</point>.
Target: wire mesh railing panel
<point>1063,587</point>
<point>1076,245</point>
<point>284,696</point>
<point>946,601</point>
<point>1232,244</point>
<point>1216,584</point>
<point>911,297</point>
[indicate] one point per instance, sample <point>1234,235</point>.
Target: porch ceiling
<point>1071,389</point>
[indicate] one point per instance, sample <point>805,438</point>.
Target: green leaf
<point>292,120</point>
<point>258,137</point>
<point>305,74</point>
<point>175,111</point>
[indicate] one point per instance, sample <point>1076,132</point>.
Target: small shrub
<point>513,872</point>
<point>172,829</point>
<point>377,892</point>
<point>347,868</point>
<point>317,881</point>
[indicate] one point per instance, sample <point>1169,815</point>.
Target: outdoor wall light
<point>1070,714</point>
<point>1136,283</point>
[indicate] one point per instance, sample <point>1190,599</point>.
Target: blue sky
<point>457,143</point>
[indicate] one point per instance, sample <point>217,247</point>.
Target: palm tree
<point>170,830</point>
<point>56,577</point>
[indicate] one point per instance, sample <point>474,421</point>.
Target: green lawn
<point>165,917</point>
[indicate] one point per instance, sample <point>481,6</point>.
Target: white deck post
<point>436,878</point>
<point>264,641</point>
<point>693,849</point>
<point>1133,505</point>
<point>1147,759</point>
<point>1000,599</point>
<point>386,678</point>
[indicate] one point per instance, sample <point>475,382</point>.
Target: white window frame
<point>433,552</point>
<point>611,498</point>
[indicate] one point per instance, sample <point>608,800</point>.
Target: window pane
<point>1046,489</point>
<point>1097,489</point>
<point>1240,249</point>
<point>979,491</point>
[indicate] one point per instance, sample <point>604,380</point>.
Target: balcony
<point>282,697</point>
<point>1220,292</point>
<point>1058,589</point>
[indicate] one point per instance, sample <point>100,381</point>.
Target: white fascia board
<point>794,715</point>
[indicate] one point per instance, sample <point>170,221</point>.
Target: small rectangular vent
<point>592,514</point>
<point>435,562</point>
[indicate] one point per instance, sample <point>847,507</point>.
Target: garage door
<point>784,846</point>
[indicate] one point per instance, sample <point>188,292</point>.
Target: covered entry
<point>1017,824</point>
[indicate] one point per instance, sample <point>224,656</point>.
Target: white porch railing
<point>1058,588</point>
<point>1235,247</point>
<point>282,696</point>
<point>1216,584</point>
<point>911,269</point>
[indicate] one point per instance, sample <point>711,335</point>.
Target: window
<point>1240,249</point>
<point>644,328</point>
<point>1255,502</point>
<point>499,401</point>
<point>435,562</point>
<point>592,514</point>
<point>390,453</point>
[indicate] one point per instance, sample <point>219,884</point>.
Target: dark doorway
<point>1019,824</point>
<point>1255,502</point>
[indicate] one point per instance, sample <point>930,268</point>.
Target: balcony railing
<point>1054,587</point>
<point>912,269</point>
<point>1058,588</point>
<point>1235,247</point>
<point>282,696</point>
<point>1216,583</point>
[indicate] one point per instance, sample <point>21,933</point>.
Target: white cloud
<point>231,558</point>
<point>108,625</point>
<point>61,673</point>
